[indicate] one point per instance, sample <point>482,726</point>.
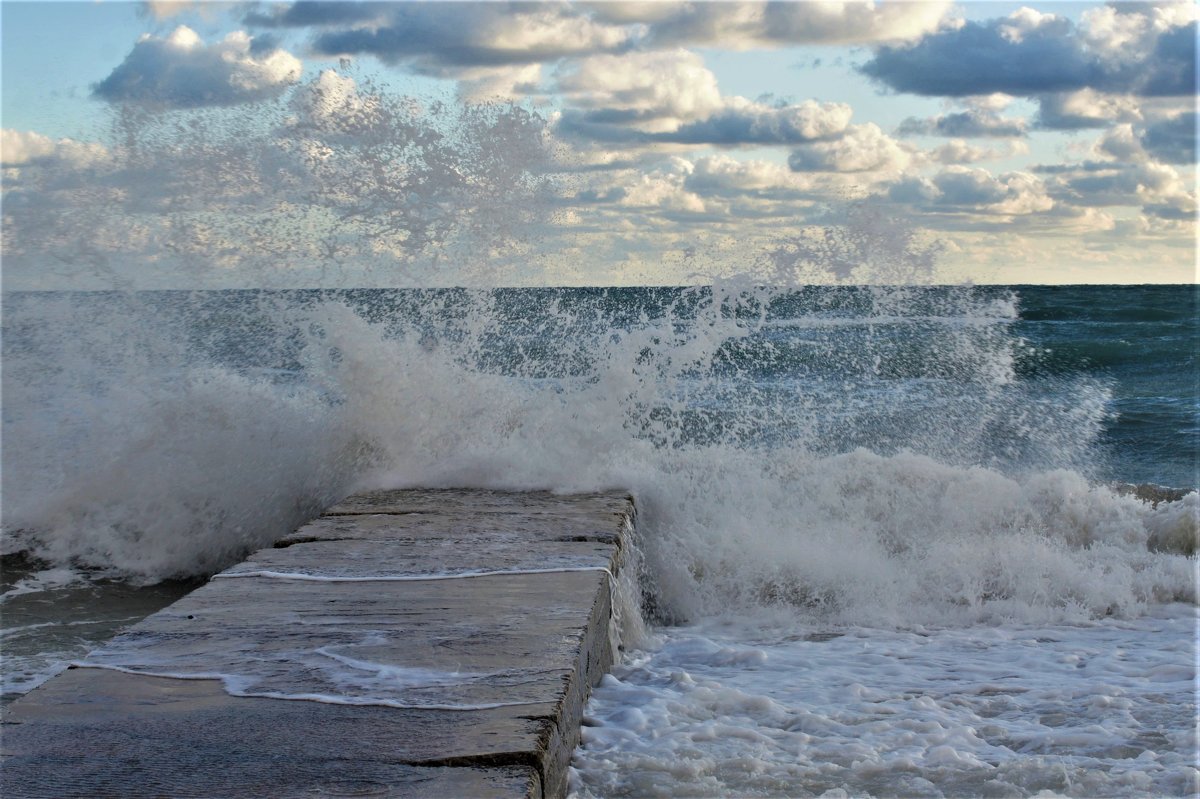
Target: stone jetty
<point>482,617</point>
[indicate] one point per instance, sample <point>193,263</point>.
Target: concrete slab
<point>490,526</point>
<point>457,553</point>
<point>357,673</point>
<point>473,503</point>
<point>94,733</point>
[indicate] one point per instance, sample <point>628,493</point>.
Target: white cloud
<point>743,25</point>
<point>1121,34</point>
<point>1023,194</point>
<point>973,122</point>
<point>441,38</point>
<point>863,148</point>
<point>181,71</point>
<point>653,91</point>
<point>502,84</point>
<point>1030,54</point>
<point>1087,108</point>
<point>671,97</point>
<point>991,103</point>
<point>18,148</point>
<point>664,189</point>
<point>972,190</point>
<point>720,174</point>
<point>958,151</point>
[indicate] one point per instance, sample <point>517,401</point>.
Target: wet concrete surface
<point>505,598</point>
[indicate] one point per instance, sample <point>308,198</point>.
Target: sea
<point>891,540</point>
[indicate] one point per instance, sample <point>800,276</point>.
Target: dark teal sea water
<point>1142,342</point>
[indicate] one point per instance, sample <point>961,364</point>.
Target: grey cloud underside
<point>1052,115</point>
<point>1107,184</point>
<point>158,75</point>
<point>1170,212</point>
<point>439,35</point>
<point>1173,140</point>
<point>729,128</point>
<point>317,14</point>
<point>1082,166</point>
<point>979,59</point>
<point>966,124</point>
<point>963,191</point>
<point>436,46</point>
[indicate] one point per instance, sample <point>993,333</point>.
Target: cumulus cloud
<point>863,148</point>
<point>181,71</point>
<point>1173,140</point>
<point>773,24</point>
<point>1121,143</point>
<point>18,147</point>
<point>319,14</point>
<point>739,122</point>
<point>671,97</point>
<point>438,38</point>
<point>964,124</point>
<point>972,190</point>
<point>958,151</point>
<point>1123,173</point>
<point>1029,53</point>
<point>21,147</point>
<point>722,175</point>
<point>473,33</point>
<point>663,189</point>
<point>1086,108</point>
<point>657,90</point>
<point>743,122</point>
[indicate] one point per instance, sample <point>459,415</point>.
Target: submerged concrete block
<point>365,656</point>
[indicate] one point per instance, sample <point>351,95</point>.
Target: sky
<point>182,144</point>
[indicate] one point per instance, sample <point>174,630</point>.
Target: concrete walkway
<point>406,643</point>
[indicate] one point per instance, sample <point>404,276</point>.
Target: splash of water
<point>846,453</point>
<point>801,472</point>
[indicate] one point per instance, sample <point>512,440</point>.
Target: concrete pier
<point>499,603</point>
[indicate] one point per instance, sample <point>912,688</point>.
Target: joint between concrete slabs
<point>241,737</point>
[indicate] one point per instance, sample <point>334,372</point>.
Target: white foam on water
<point>383,577</point>
<point>42,580</point>
<point>754,706</point>
<point>241,685</point>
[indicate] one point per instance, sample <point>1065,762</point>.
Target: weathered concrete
<point>498,603</point>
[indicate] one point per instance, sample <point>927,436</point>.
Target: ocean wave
<point>147,437</point>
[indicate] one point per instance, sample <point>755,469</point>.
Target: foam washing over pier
<point>405,643</point>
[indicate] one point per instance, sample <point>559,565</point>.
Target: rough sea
<point>892,541</point>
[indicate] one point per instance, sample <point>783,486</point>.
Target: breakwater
<point>405,643</point>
